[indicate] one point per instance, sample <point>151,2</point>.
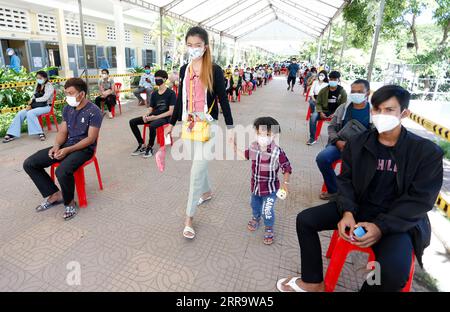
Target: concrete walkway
<point>129,237</point>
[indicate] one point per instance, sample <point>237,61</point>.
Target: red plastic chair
<point>175,89</point>
<point>49,114</point>
<point>117,87</point>
<point>333,165</point>
<point>319,126</point>
<point>307,94</point>
<point>308,113</point>
<point>338,251</point>
<point>159,135</point>
<point>80,181</point>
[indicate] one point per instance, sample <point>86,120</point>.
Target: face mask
<point>385,123</point>
<point>236,73</point>
<point>40,81</point>
<point>196,53</point>
<point>333,84</point>
<point>72,101</point>
<point>147,71</point>
<point>321,77</point>
<point>357,98</point>
<point>10,53</point>
<point>104,76</point>
<point>264,140</point>
<point>159,81</point>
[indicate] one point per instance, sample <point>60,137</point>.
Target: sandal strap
<point>292,283</point>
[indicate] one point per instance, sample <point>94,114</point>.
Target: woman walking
<point>201,86</point>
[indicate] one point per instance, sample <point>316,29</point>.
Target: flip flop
<point>188,229</point>
<point>8,138</point>
<point>202,201</point>
<point>292,283</point>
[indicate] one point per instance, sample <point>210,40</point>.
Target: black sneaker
<point>148,153</point>
<point>139,151</point>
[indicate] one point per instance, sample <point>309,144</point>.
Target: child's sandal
<point>268,237</point>
<point>253,224</point>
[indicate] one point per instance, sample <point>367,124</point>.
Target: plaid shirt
<point>265,166</point>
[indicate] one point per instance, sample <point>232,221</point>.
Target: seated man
<point>391,179</point>
<point>145,85</point>
<point>235,85</point>
<point>349,119</point>
<point>75,144</point>
<point>161,108</point>
<point>107,92</point>
<point>328,100</point>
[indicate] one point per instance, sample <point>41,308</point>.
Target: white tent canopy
<point>237,19</point>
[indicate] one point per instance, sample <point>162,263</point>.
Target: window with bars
<point>147,39</point>
<point>111,56</point>
<point>13,19</point>
<point>127,36</point>
<point>90,30</point>
<point>72,27</point>
<point>47,24</point>
<point>111,33</point>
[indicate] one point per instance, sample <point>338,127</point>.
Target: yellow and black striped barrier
<point>19,108</point>
<point>443,205</point>
<point>20,84</point>
<point>441,131</point>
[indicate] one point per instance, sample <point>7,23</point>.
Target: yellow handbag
<point>195,130</point>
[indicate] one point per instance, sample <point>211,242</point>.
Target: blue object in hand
<point>359,231</point>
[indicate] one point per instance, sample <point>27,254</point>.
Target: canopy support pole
<point>344,39</point>
<point>161,62</point>
<point>328,43</point>
<point>375,40</point>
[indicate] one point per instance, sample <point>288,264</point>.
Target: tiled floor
<point>129,238</point>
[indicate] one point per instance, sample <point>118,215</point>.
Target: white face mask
<point>104,76</point>
<point>72,101</point>
<point>385,123</point>
<point>10,53</point>
<point>195,53</point>
<point>264,140</point>
<point>321,77</point>
<point>357,98</point>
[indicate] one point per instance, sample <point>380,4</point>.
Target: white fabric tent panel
<point>275,30</point>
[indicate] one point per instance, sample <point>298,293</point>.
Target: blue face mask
<point>357,98</point>
<point>147,71</point>
<point>333,84</point>
<point>40,81</point>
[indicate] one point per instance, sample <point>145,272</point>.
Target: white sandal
<point>201,200</point>
<point>188,229</point>
<point>292,283</point>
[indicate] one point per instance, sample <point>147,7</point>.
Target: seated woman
<point>247,81</point>
<point>107,92</point>
<point>235,85</point>
<point>39,104</point>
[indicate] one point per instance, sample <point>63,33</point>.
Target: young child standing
<point>267,158</point>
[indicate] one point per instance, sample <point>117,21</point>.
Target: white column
<point>62,41</point>
<point>120,37</point>
<point>120,42</point>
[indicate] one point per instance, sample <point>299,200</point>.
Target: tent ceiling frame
<point>171,5</point>
<point>254,29</point>
<point>282,12</point>
<point>318,15</point>
<point>314,15</point>
<point>245,24</point>
<point>220,13</point>
<point>223,19</point>
<point>246,19</point>
<point>299,29</point>
<point>194,7</point>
